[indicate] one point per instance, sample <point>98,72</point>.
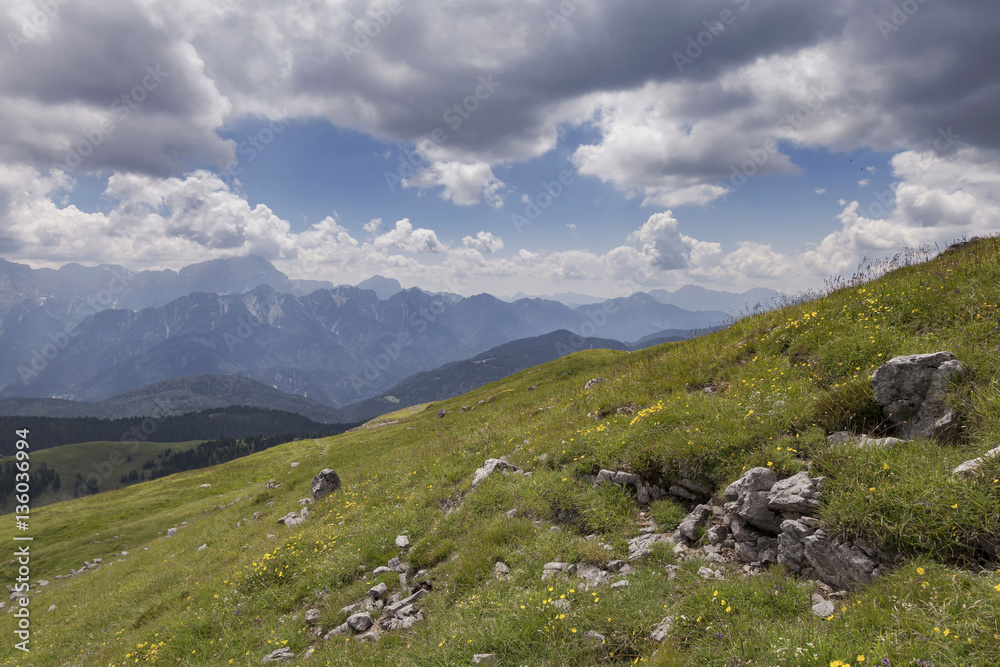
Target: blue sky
<point>233,128</point>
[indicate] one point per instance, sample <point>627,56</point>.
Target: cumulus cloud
<point>936,198</point>
<point>483,242</point>
<point>405,237</point>
<point>464,184</point>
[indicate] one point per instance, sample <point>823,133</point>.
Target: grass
<point>781,381</point>
<point>102,462</point>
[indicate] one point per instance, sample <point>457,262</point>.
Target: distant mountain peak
<point>382,286</point>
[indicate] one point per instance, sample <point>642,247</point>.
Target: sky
<point>538,146</point>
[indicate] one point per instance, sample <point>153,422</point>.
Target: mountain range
<point>88,334</point>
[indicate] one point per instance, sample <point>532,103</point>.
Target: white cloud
<point>484,242</point>
<point>936,199</point>
<point>405,237</point>
<point>821,191</point>
<point>864,182</point>
<point>464,184</point>
<point>373,225</point>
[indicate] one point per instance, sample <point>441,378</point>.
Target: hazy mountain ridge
<point>334,345</point>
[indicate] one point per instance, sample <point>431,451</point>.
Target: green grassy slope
<point>781,381</point>
<point>103,462</point>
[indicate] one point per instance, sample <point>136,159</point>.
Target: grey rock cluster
<point>767,520</point>
<point>380,611</point>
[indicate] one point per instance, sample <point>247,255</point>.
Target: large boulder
<point>912,389</point>
<point>324,483</point>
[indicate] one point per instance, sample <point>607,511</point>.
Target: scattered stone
<point>368,637</point>
<point>342,629</point>
<point>912,389</point>
<point>594,383</point>
<point>694,521</point>
<point>484,659</point>
<point>52,607</point>
<point>203,547</point>
<point>671,571</point>
<point>554,568</point>
<point>465,408</point>
<point>708,573</point>
<point>510,514</point>
<point>171,532</point>
<point>396,564</point>
<point>382,569</point>
<point>501,568</point>
<point>312,616</point>
<point>278,655</point>
<point>593,575</point>
<point>865,442</point>
<point>662,630</point>
<point>441,413</point>
<point>361,622</point>
<point>204,486</point>
<point>561,604</point>
<point>620,584</point>
<point>378,592</point>
<point>639,547</point>
<point>822,607</point>
<point>615,565</point>
<point>402,541</point>
<point>533,387</point>
<point>291,519</point>
<point>295,464</point>
<point>717,535</point>
<point>305,501</point>
<point>325,482</point>
<point>491,466</point>
<point>971,468</point>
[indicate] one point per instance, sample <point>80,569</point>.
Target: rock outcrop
<point>912,389</point>
<point>767,520</point>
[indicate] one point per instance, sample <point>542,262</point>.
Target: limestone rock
<point>278,655</point>
<point>822,607</point>
<point>593,383</point>
<point>360,622</point>
<point>325,482</point>
<point>798,493</point>
<point>971,468</point>
<point>402,541</point>
<point>491,466</point>
<point>912,389</point>
<point>747,499</point>
<point>484,659</point>
<point>662,630</point>
<point>640,546</point>
<point>690,525</point>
